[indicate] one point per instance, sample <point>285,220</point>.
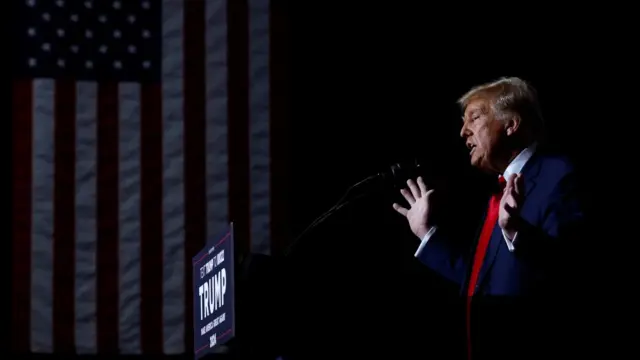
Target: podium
<point>265,311</point>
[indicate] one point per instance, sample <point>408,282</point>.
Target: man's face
<point>483,135</point>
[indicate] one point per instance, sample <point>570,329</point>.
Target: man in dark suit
<point>519,264</point>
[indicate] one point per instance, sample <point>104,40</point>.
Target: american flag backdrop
<point>140,128</point>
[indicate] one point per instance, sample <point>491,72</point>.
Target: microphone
<point>398,174</point>
<point>395,176</point>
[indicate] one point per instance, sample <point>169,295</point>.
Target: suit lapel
<point>530,173</point>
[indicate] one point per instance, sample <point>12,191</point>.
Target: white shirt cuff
<point>424,240</point>
<point>510,242</point>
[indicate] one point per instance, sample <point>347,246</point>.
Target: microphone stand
<point>344,201</point>
<point>392,175</point>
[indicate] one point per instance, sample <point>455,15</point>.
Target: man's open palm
<point>419,199</point>
<point>510,203</point>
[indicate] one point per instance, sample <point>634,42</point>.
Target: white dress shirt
<point>514,167</point>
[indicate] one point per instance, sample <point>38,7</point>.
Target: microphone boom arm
<point>393,174</point>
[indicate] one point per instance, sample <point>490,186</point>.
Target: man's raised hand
<point>510,205</point>
<point>418,214</point>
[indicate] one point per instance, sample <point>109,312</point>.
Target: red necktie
<point>481,250</point>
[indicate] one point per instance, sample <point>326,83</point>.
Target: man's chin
<point>477,163</point>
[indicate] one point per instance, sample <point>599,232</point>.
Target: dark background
<point>377,84</point>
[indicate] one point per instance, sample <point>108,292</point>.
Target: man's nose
<point>464,132</point>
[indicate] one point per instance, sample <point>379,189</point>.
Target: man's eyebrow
<point>472,113</point>
<point>478,111</point>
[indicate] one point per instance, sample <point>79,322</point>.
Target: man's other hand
<point>510,205</point>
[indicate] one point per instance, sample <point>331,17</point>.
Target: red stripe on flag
<point>107,219</point>
<point>151,219</point>
<point>64,216</point>
<point>238,122</point>
<point>280,83</point>
<point>194,147</point>
<point>22,172</point>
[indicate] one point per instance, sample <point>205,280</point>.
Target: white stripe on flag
<point>42,221</point>
<point>259,125</point>
<point>217,156</point>
<point>129,218</point>
<point>85,254</point>
<point>173,314</point>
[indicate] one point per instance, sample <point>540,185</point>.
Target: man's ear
<point>513,124</point>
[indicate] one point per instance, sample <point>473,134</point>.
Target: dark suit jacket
<point>523,300</point>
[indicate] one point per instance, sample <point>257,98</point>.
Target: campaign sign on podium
<point>213,294</point>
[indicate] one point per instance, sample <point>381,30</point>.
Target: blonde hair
<point>509,96</point>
